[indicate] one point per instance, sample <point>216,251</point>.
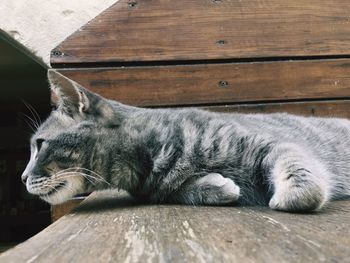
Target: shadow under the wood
<point>103,203</point>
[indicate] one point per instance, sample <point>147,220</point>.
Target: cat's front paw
<point>219,189</point>
<point>306,196</point>
<point>230,191</point>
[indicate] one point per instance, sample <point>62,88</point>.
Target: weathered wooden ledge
<point>111,227</point>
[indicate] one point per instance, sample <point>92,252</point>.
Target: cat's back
<point>326,136</point>
<point>194,131</point>
<point>275,125</point>
<point>289,127</point>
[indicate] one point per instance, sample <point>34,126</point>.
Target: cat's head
<point>63,147</point>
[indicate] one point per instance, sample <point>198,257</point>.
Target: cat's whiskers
<point>29,125</point>
<point>30,122</point>
<point>85,169</point>
<point>76,169</point>
<point>66,186</point>
<point>33,120</point>
<point>34,113</point>
<point>51,187</point>
<point>56,183</point>
<point>64,173</point>
<point>75,174</point>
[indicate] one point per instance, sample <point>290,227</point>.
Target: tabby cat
<point>186,156</point>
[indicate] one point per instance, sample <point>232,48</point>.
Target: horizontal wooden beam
<point>219,83</point>
<point>108,227</point>
<point>161,30</point>
<point>339,109</point>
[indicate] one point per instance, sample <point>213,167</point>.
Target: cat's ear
<point>75,100</point>
<point>66,93</point>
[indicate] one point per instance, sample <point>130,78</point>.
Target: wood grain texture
<point>338,109</point>
<point>154,30</point>
<point>218,83</point>
<point>112,228</point>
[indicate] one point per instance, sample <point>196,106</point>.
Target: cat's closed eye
<point>39,143</point>
<point>53,107</point>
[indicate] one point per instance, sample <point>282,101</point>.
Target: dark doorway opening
<point>23,86</point>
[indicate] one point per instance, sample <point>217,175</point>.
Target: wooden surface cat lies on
<point>111,227</point>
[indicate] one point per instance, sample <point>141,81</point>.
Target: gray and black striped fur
<point>186,156</point>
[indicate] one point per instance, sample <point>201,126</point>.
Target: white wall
<point>40,25</point>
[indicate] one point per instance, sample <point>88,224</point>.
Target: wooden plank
<point>156,30</point>
<point>113,228</point>
<point>57,211</point>
<point>338,109</point>
<point>218,83</point>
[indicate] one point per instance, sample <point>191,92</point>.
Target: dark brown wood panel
<point>154,30</point>
<point>339,109</point>
<point>219,83</point>
<point>108,227</point>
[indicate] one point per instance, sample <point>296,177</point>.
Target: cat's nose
<point>24,178</point>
